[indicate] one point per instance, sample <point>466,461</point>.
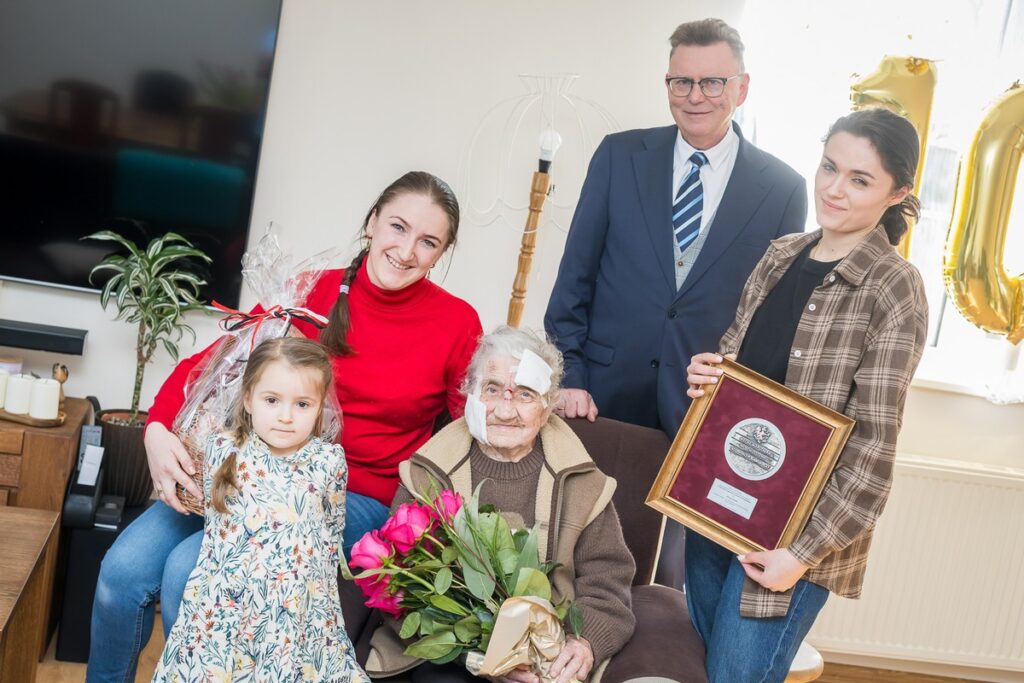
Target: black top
<point>769,337</point>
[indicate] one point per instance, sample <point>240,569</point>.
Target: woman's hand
<point>576,403</point>
<point>169,463</point>
<point>703,369</point>
<point>574,661</point>
<point>779,569</point>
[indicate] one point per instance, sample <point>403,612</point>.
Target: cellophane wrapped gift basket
<point>213,389</point>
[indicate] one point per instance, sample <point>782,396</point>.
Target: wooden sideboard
<point>29,540</point>
<point>36,464</point>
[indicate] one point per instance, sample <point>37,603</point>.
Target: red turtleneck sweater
<point>412,348</point>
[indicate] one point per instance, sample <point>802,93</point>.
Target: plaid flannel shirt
<point>857,344</point>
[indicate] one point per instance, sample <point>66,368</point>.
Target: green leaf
<point>443,580</point>
<point>528,556</point>
<point>447,604</point>
<point>449,554</point>
<point>426,624</point>
<point>451,656</point>
<point>468,630</point>
<point>410,625</point>
<point>479,583</point>
<point>575,620</point>
<point>532,582</point>
<point>434,646</point>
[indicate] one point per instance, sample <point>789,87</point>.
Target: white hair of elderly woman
<point>512,341</point>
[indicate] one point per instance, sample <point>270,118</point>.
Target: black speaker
<point>42,337</point>
<point>86,548</point>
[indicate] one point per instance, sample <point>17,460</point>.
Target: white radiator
<point>945,581</point>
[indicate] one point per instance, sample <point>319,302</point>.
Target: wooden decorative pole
<point>550,141</point>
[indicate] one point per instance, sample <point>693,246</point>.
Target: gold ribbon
<point>526,631</point>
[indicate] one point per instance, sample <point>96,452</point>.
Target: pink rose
<point>406,526</point>
<point>370,552</point>
<point>377,590</point>
<point>387,603</point>
<point>447,504</point>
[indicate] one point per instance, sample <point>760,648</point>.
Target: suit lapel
<point>653,168</point>
<point>744,192</point>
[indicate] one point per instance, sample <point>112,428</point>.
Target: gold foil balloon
<point>904,85</point>
<point>973,269</point>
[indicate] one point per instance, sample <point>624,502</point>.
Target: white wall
<point>363,92</point>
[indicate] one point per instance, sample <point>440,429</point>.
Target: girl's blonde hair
<point>298,353</point>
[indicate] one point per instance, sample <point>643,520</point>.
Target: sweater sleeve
<point>604,576</point>
<point>458,362</point>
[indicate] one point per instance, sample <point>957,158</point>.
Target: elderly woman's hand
<point>703,369</point>
<point>574,661</point>
<point>520,675</point>
<point>169,463</point>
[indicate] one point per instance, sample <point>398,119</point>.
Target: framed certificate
<point>749,462</point>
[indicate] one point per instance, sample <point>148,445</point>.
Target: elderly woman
<point>550,482</point>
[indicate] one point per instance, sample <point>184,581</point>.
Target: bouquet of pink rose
<point>448,570</point>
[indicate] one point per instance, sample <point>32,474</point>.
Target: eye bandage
<point>533,373</point>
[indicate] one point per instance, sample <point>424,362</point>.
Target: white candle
<point>19,394</point>
<point>3,386</point>
<point>45,399</point>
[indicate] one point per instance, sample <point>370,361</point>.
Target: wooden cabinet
<point>29,540</point>
<point>35,466</point>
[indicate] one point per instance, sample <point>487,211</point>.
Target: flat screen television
<point>138,116</point>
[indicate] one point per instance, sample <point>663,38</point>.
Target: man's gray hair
<point>708,32</point>
<point>512,341</point>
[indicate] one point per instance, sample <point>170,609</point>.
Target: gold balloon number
<point>905,85</point>
<point>973,270</point>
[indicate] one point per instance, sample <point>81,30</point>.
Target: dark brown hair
<point>708,32</point>
<point>413,182</point>
<point>298,353</point>
<point>895,140</point>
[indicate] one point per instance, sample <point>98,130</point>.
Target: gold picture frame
<point>749,462</point>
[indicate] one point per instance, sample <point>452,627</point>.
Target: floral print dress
<point>262,603</point>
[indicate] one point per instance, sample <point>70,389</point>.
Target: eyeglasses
<point>714,86</point>
<point>491,393</point>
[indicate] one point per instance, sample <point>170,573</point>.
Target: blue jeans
<point>155,556</point>
<point>741,648</point>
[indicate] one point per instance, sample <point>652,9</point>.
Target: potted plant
<point>151,290</point>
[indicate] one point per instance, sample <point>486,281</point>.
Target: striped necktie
<point>689,204</point>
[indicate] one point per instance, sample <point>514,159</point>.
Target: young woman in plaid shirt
<point>840,317</point>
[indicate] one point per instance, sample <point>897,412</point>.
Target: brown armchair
<point>664,644</point>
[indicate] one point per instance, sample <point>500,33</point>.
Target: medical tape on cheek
<point>534,373</point>
<point>476,416</point>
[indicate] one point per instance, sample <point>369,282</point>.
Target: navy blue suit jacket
<point>626,333</point>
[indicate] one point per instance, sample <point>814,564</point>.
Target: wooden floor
<point>52,671</point>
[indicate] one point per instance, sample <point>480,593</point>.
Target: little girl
<point>262,603</point>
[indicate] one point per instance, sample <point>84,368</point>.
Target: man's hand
<point>779,569</point>
<point>576,403</point>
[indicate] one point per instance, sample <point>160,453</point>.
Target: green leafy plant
<point>150,289</point>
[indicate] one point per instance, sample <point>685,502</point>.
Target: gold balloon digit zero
<point>973,267</point>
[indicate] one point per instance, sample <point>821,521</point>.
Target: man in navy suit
<point>669,225</point>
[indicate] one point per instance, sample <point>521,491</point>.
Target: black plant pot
<point>126,471</point>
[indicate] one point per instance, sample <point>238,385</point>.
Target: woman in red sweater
<point>399,345</point>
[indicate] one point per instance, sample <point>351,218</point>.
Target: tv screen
<point>138,116</point>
